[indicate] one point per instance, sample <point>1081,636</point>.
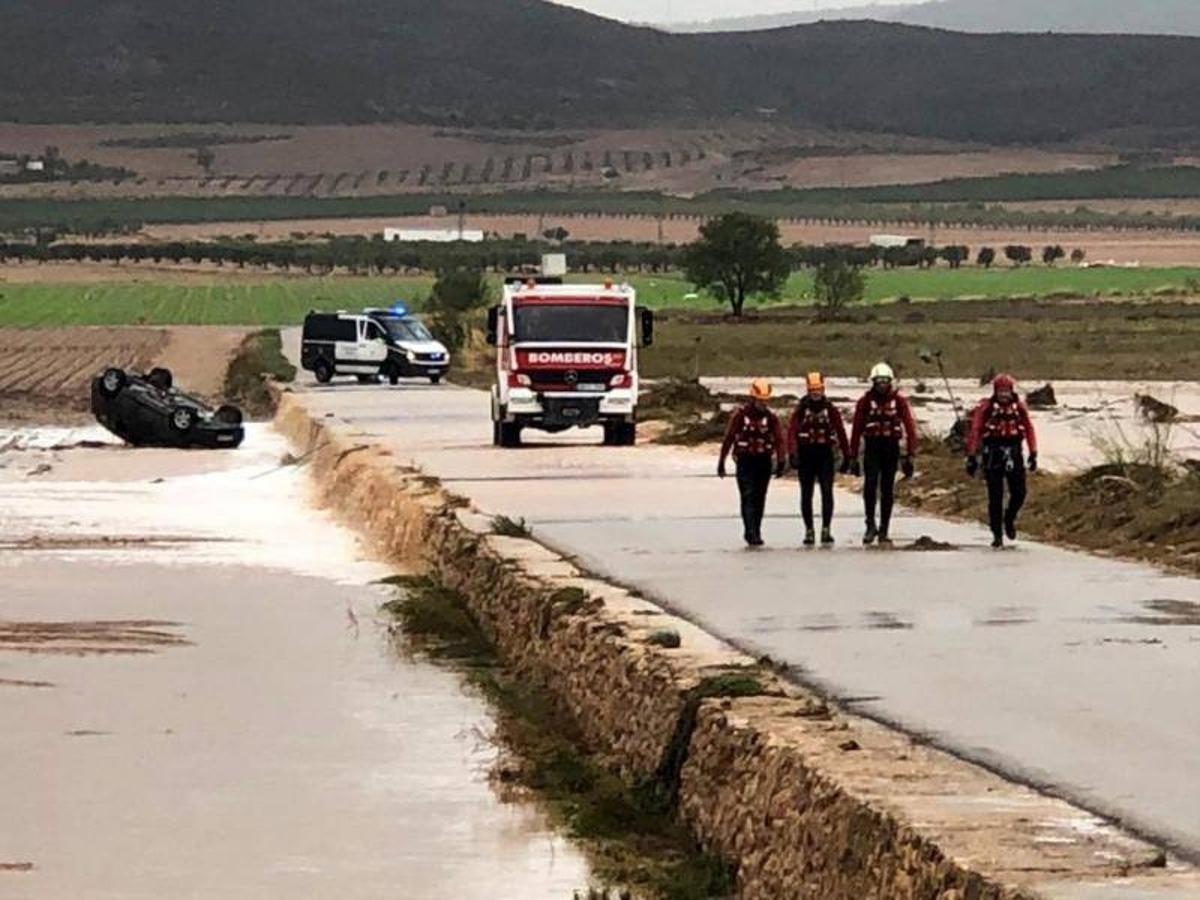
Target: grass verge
<point>1036,340</point>
<point>628,831</point>
<point>259,357</point>
<point>1127,508</point>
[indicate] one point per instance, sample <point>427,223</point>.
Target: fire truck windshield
<point>573,323</point>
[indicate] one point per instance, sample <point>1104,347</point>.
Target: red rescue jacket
<point>817,424</point>
<point>1006,422</point>
<point>889,416</point>
<point>751,433</point>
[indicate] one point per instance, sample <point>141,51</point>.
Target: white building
<point>889,241</point>
<point>434,235</point>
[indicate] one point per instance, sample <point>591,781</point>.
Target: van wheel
<point>323,371</point>
<point>392,374</point>
<point>182,419</point>
<point>112,382</point>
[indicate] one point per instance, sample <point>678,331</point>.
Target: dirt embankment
<point>45,373</point>
<point>807,799</point>
<point>1148,511</point>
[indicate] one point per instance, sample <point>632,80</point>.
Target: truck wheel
<point>510,434</point>
<point>434,379</point>
<point>323,371</point>
<point>112,382</point>
<point>182,419</point>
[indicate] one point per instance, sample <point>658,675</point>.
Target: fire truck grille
<point>566,379</point>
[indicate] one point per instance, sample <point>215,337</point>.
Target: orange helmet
<point>815,382</point>
<point>760,389</point>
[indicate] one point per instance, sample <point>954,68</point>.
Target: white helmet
<point>883,372</point>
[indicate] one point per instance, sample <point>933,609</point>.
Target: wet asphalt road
<point>1064,670</point>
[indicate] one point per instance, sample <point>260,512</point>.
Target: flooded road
<point>198,701</point>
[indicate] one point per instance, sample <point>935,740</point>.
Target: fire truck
<point>566,357</point>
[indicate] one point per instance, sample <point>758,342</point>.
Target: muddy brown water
<point>228,718</point>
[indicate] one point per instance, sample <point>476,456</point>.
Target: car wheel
<point>392,374</point>
<point>626,434</point>
<point>434,379</point>
<point>323,371</point>
<point>228,415</point>
<point>610,434</point>
<point>112,382</point>
<point>161,379</point>
<point>182,419</point>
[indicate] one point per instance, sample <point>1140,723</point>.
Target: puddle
<point>227,710</point>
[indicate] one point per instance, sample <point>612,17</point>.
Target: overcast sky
<point>696,10</point>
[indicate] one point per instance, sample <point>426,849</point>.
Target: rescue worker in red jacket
<point>1000,425</point>
<point>882,418</point>
<point>756,439</point>
<point>816,425</point>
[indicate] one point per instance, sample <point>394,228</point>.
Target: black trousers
<point>881,458</point>
<point>814,465</point>
<point>753,479</point>
<point>1004,464</point>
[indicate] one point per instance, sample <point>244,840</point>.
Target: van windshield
<point>570,322</point>
<point>409,330</point>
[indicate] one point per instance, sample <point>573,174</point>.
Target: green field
<point>285,301</point>
<point>281,302</point>
<point>670,290</point>
<point>967,200</point>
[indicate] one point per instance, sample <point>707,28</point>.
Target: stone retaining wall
<point>809,801</point>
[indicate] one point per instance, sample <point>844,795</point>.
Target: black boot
<point>870,534</point>
<point>826,536</point>
<point>810,536</point>
<point>1010,528</point>
<point>997,540</point>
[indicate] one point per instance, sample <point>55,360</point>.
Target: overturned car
<point>148,411</point>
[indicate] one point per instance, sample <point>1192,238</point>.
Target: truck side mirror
<point>493,325</point>
<point>647,327</point>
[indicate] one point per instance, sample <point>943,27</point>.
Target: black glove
<point>855,468</point>
<point>721,469</point>
<point>1032,462</point>
<point>972,466</point>
<point>780,467</point>
<point>907,467</point>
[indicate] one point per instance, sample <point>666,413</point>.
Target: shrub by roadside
<point>259,358</point>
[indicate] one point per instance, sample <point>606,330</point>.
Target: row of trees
<point>365,256</point>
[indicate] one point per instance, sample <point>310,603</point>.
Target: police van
<point>389,343</point>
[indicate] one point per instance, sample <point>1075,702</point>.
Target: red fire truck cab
<point>566,357</point>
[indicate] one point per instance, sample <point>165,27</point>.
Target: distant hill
<point>528,63</point>
<point>1177,17</point>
